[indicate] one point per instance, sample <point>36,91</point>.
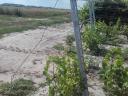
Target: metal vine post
<point>74,14</point>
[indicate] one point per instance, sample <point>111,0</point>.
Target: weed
<point>114,74</point>
<point>59,47</point>
<point>21,87</point>
<point>65,79</point>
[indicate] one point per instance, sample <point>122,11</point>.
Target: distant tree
<point>18,12</point>
<point>108,11</point>
<point>1,10</point>
<point>7,11</point>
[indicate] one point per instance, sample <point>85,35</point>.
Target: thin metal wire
<point>26,58</point>
<point>56,3</point>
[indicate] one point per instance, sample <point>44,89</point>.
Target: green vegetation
<point>65,79</point>
<point>114,71</point>
<point>125,54</point>
<point>114,74</point>
<point>69,40</point>
<point>108,11</point>
<point>20,87</point>
<point>9,24</point>
<point>103,34</point>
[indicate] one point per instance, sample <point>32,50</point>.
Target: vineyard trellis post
<point>74,14</point>
<point>91,13</point>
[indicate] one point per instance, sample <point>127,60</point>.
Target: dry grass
<point>34,11</point>
<point>30,18</point>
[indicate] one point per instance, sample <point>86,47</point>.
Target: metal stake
<point>75,20</point>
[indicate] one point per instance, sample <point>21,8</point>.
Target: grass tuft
<point>21,87</point>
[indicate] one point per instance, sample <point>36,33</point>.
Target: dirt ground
<point>16,46</point>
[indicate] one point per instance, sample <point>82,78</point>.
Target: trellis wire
<point>26,58</point>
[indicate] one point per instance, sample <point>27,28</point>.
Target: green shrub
<point>114,74</point>
<point>69,40</point>
<point>108,11</point>
<point>103,34</point>
<point>65,80</point>
<point>84,14</point>
<point>125,30</point>
<point>125,53</point>
<point>20,87</point>
<point>91,40</point>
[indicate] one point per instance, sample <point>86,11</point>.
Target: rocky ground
<point>15,47</point>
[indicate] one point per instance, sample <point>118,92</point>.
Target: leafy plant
<point>113,8</point>
<point>125,30</point>
<point>69,40</point>
<point>103,34</point>
<point>125,53</point>
<point>114,74</point>
<point>65,80</point>
<point>20,87</point>
<point>84,14</point>
<point>91,40</point>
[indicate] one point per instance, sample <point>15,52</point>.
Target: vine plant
<point>66,80</point>
<point>115,74</point>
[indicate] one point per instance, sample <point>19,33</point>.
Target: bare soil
<point>16,46</point>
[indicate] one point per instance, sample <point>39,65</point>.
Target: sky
<point>45,3</point>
